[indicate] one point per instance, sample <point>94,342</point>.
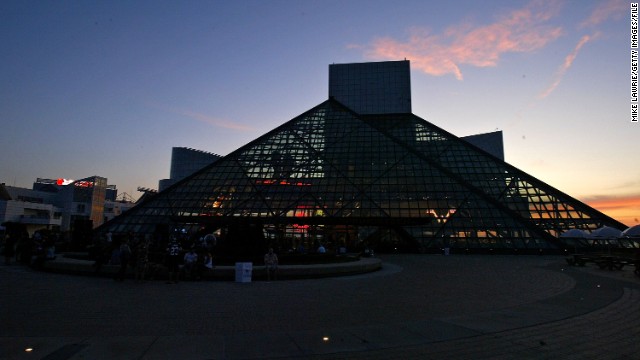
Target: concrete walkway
<point>416,307</point>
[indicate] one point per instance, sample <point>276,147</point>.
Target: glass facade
<point>350,180</point>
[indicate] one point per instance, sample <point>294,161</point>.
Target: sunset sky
<point>109,87</point>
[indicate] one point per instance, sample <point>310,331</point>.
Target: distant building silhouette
<point>184,162</point>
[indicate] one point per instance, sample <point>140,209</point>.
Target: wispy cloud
<point>602,12</point>
<point>215,121</point>
<point>606,10</point>
<point>521,30</point>
<point>568,61</point>
<point>211,120</point>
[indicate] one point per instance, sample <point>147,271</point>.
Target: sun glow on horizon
<point>625,209</point>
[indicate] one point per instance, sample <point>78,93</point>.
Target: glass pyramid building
<point>379,179</point>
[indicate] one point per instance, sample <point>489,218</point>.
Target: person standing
<point>321,249</point>
<point>190,264</point>
<point>125,257</point>
<point>206,265</point>
<point>142,258</point>
<point>637,264</point>
<point>271,264</point>
<point>173,260</point>
<point>9,248</point>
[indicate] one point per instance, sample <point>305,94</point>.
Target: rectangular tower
<point>372,88</point>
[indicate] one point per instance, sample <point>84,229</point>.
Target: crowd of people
<point>182,258</point>
<point>145,255</point>
<point>33,251</point>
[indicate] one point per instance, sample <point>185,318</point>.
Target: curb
<point>62,264</point>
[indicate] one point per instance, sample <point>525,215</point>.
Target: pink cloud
<point>606,10</point>
<point>568,61</point>
<point>522,30</point>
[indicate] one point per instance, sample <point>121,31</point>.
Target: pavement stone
<point>416,307</point>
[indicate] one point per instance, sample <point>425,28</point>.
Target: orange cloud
<point>614,202</point>
<point>521,30</point>
<point>606,10</point>
<point>625,209</point>
<point>568,61</point>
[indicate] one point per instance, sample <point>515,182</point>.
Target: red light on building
<point>281,182</point>
<point>64,182</point>
<point>83,183</point>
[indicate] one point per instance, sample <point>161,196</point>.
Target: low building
<point>61,205</point>
<point>33,209</point>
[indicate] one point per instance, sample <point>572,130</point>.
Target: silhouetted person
<point>190,264</point>
<point>9,248</point>
<point>125,257</point>
<point>173,260</point>
<point>271,264</point>
<point>637,269</point>
<point>142,258</point>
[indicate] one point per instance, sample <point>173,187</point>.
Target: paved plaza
<point>416,307</point>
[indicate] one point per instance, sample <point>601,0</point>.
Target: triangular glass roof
<point>338,176</point>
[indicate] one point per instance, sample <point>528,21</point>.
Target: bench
<point>613,262</point>
<point>580,259</point>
